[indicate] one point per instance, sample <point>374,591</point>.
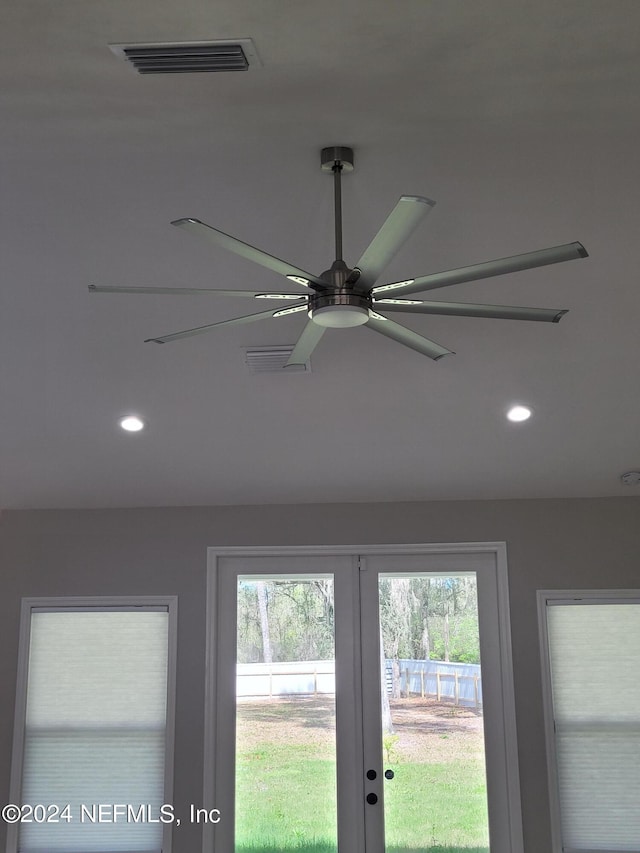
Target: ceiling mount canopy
<point>344,297</point>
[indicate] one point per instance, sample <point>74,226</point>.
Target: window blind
<point>594,654</point>
<point>95,727</point>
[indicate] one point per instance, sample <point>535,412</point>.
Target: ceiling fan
<point>344,296</point>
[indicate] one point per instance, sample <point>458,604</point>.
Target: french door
<point>359,700</point>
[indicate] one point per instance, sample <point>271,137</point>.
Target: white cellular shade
<point>95,728</point>
<point>594,654</point>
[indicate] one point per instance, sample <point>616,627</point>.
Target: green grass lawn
<point>436,807</point>
<point>286,801</point>
<point>285,797</point>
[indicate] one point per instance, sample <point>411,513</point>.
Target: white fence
<point>290,678</point>
<point>459,682</point>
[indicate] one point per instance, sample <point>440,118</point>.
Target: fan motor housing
<point>337,298</point>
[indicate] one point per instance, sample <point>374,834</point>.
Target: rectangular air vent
<point>273,360</point>
<point>189,57</point>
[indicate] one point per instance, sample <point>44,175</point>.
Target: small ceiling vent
<point>273,360</point>
<point>189,57</point>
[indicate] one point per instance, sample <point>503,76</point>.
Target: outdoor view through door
<point>356,710</point>
<point>285,717</point>
<point>431,702</point>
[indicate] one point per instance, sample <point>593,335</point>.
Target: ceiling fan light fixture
<point>344,297</point>
<point>339,316</point>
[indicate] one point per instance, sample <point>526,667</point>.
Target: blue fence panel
<point>469,680</point>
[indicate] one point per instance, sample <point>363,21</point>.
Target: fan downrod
<point>339,306</point>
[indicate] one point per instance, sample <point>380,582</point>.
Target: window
<point>94,720</point>
<point>591,657</point>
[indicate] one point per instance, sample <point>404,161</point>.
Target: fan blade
<point>470,309</point>
<point>200,330</point>
<point>405,336</point>
<point>398,227</point>
<point>193,291</point>
<point>488,269</point>
<point>194,226</point>
<point>306,343</point>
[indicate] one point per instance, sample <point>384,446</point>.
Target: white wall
<point>551,545</point>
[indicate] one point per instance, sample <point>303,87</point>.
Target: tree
<point>395,622</point>
<point>428,617</point>
<point>267,652</point>
<point>421,618</point>
<point>285,620</point>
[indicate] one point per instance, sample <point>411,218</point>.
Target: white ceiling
<point>520,120</point>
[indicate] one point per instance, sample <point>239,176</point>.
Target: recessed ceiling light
<point>517,414</point>
<point>132,423</point>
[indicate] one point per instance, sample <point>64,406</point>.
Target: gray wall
<point>553,544</point>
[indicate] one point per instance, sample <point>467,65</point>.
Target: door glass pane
<point>432,726</point>
<point>285,715</point>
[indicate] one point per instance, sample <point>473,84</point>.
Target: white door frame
<point>502,765</point>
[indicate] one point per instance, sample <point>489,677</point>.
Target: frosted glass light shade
<point>340,316</point>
